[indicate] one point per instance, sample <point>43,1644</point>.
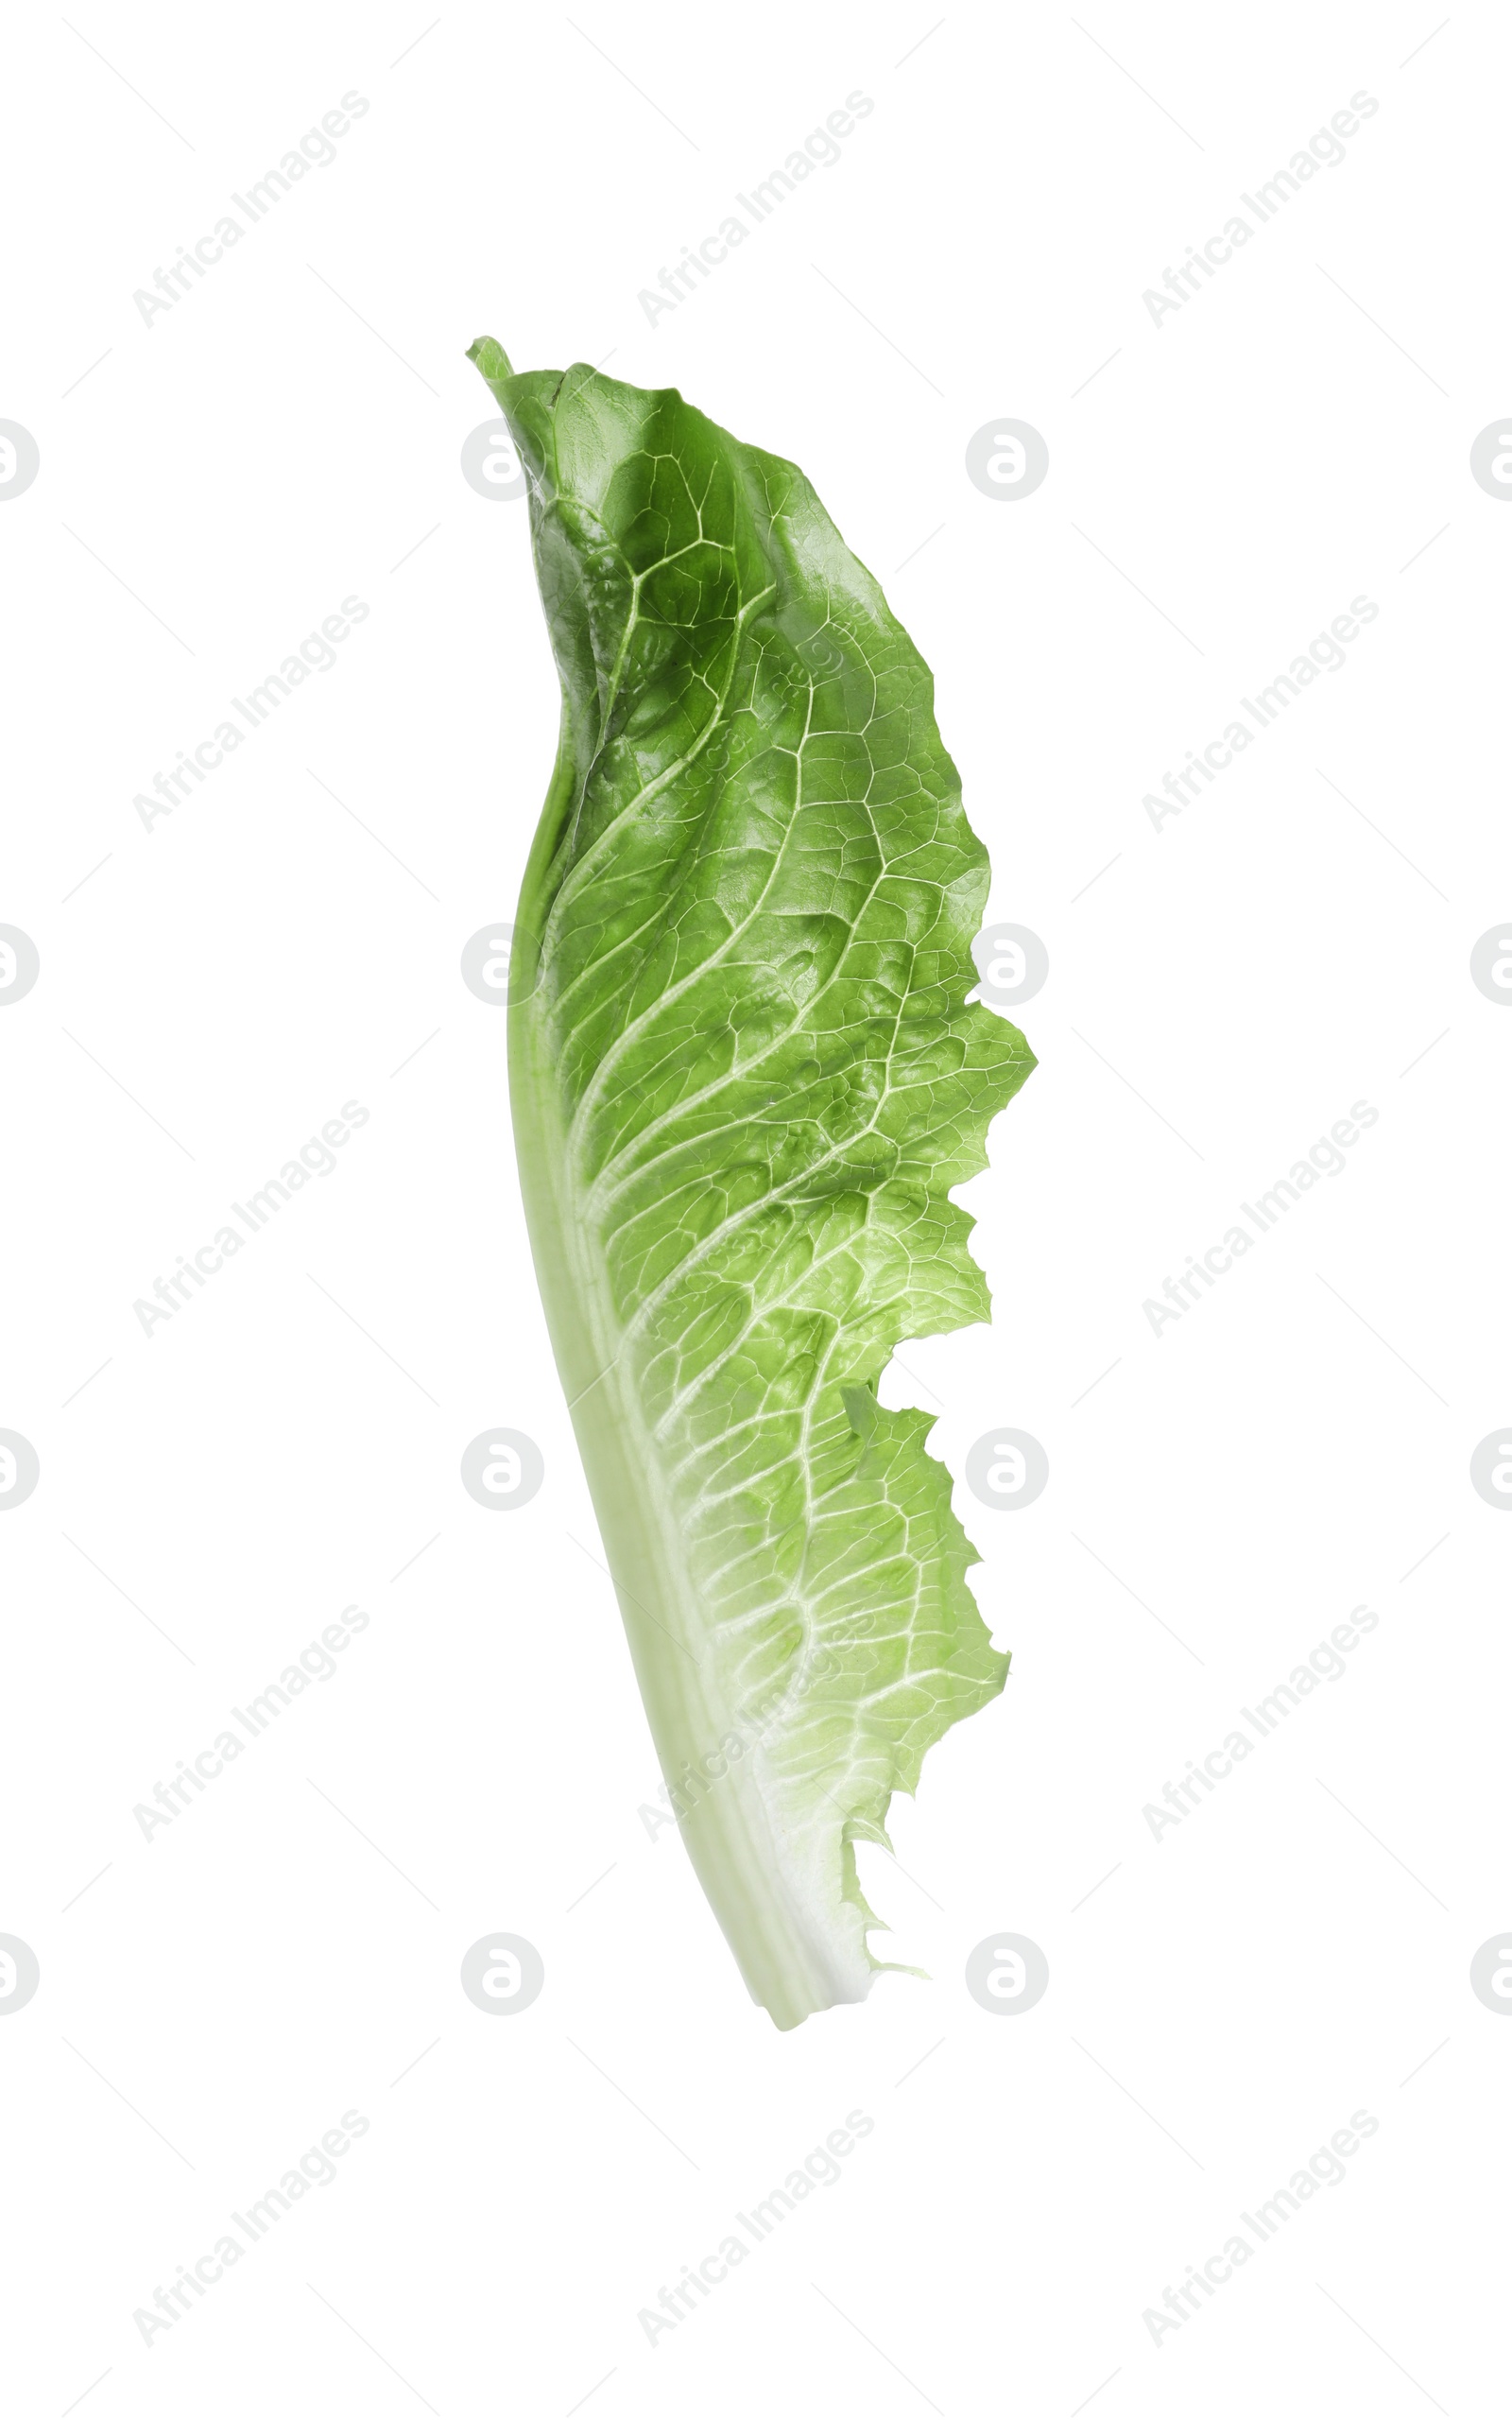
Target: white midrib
<point>799,1944</point>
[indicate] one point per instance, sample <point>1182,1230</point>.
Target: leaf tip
<point>490,359</point>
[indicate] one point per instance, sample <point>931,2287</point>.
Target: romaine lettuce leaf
<point>744,1078</point>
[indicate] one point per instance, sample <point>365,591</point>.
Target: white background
<point>213,990</point>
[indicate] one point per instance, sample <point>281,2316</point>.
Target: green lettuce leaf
<point>743,1079</point>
